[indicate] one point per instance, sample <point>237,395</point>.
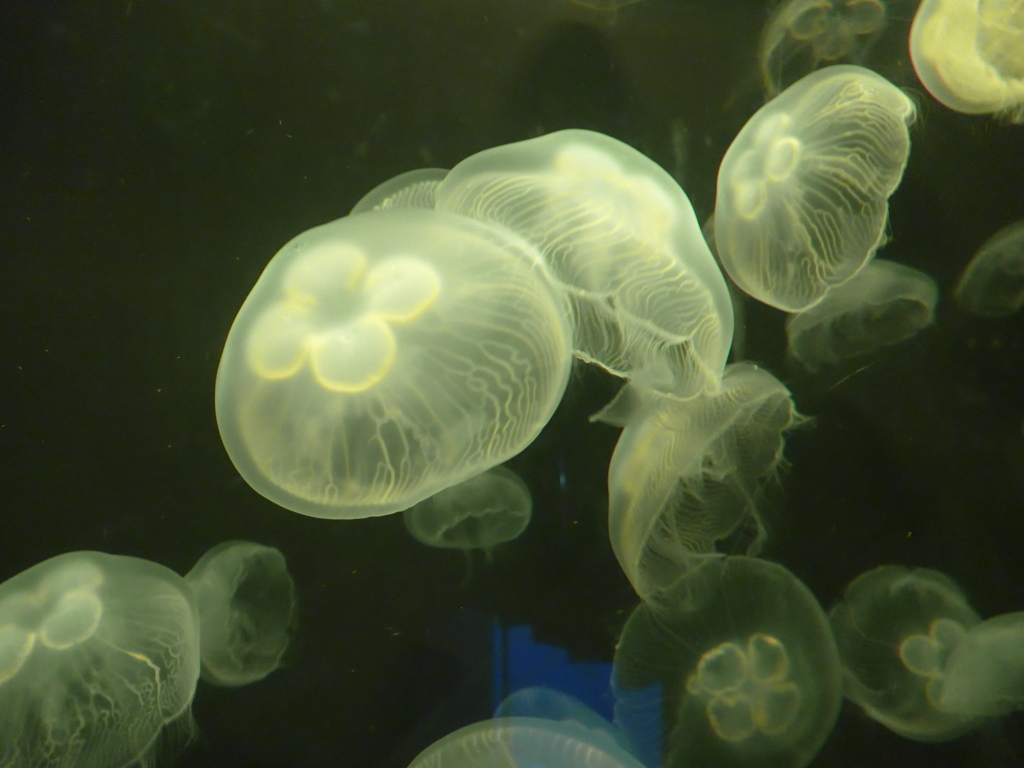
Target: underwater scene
<point>512,383</point>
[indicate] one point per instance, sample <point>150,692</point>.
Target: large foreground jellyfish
<point>969,54</point>
<point>992,284</point>
<point>388,355</point>
<point>621,240</point>
<point>98,655</point>
<point>885,303</point>
<point>803,190</point>
<point>686,476</point>
<point>896,629</point>
<point>518,742</point>
<point>744,666</point>
<point>412,189</point>
<point>479,513</point>
<point>801,34</point>
<point>246,600</point>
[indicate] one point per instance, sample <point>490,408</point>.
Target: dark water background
<point>154,154</point>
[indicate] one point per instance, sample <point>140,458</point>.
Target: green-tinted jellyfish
<point>521,742</point>
<point>621,241</point>
<point>969,54</point>
<point>550,704</point>
<point>98,655</point>
<point>686,475</point>
<point>246,600</point>
<point>801,34</point>
<point>479,513</point>
<point>743,665</point>
<point>992,284</point>
<point>412,189</point>
<point>803,190</point>
<point>388,355</point>
<point>896,629</point>
<point>885,303</point>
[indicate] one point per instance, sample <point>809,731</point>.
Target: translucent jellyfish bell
<point>896,629</point>
<point>801,34</point>
<point>803,189</point>
<point>992,284</point>
<point>885,303</point>
<point>620,239</point>
<point>969,54</point>
<point>479,513</point>
<point>246,600</point>
<point>551,704</point>
<point>388,355</point>
<point>743,662</point>
<point>686,475</point>
<point>98,655</point>
<point>412,189</point>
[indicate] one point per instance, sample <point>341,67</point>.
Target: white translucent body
<point>686,474</point>
<point>740,663</point>
<point>992,284</point>
<point>98,653</point>
<point>883,304</point>
<point>621,240</point>
<point>479,513</point>
<point>803,189</point>
<point>246,601</point>
<point>984,675</point>
<point>388,355</point>
<point>969,54</point>
<point>412,189</point>
<point>550,704</point>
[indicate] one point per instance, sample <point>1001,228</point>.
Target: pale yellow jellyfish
<point>992,284</point>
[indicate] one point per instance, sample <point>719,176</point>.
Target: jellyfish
<point>550,704</point>
<point>801,34</point>
<point>803,189</point>
<point>969,54</point>
<point>896,629</point>
<point>992,284</point>
<point>523,741</point>
<point>885,303</point>
<point>743,663</point>
<point>412,189</point>
<point>983,675</point>
<point>479,513</point>
<point>386,356</point>
<point>621,241</point>
<point>99,655</point>
<point>685,476</point>
<point>246,600</point>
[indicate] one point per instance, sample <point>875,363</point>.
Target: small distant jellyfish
<point>480,513</point>
<point>885,303</point>
<point>896,629</point>
<point>246,600</point>
<point>99,655</point>
<point>992,284</point>
<point>969,54</point>
<point>802,34</point>
<point>803,190</point>
<point>386,356</point>
<point>744,663</point>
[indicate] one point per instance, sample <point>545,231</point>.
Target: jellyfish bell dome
<point>388,355</point>
<point>992,283</point>
<point>803,189</point>
<point>99,654</point>
<point>620,240</point>
<point>743,663</point>
<point>412,189</point>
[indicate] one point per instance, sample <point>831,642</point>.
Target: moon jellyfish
<point>479,513</point>
<point>246,600</point>
<point>550,704</point>
<point>896,629</point>
<point>412,189</point>
<point>523,741</point>
<point>992,285</point>
<point>98,655</point>
<point>969,54</point>
<point>983,676</point>
<point>621,241</point>
<point>685,476</point>
<point>801,34</point>
<point>388,355</point>
<point>744,664</point>
<point>803,190</point>
<point>885,303</point>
